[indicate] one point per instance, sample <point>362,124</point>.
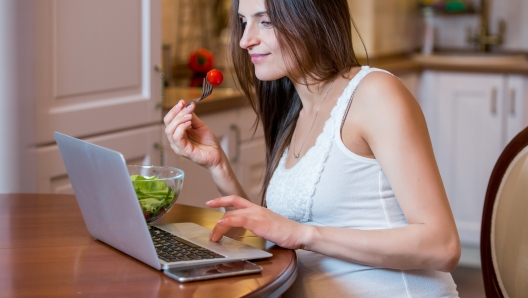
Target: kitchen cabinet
<point>387,27</point>
<point>246,153</point>
<point>95,79</point>
<point>471,117</point>
<point>138,146</point>
<point>250,167</point>
<point>250,164</point>
<point>516,94</point>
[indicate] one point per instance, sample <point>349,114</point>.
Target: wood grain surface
<point>46,251</point>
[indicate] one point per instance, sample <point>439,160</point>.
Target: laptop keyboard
<point>171,248</point>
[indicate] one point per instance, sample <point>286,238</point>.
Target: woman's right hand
<point>190,137</point>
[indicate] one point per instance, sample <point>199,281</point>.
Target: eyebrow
<point>258,14</point>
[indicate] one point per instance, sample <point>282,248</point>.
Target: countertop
<point>220,100</point>
<point>228,98</point>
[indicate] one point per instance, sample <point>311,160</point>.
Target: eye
<point>242,23</point>
<point>265,21</point>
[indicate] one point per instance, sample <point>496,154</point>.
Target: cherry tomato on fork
<point>215,77</point>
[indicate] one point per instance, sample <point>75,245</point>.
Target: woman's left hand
<point>259,220</point>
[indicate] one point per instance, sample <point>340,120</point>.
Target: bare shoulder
<point>382,107</point>
<point>382,97</point>
<point>379,89</point>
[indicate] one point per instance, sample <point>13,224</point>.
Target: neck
<point>311,95</point>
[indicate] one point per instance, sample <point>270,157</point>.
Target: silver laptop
<point>112,214</point>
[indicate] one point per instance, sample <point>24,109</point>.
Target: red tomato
<point>147,214</point>
<point>215,77</point>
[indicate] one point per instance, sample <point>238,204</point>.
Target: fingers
<point>173,112</point>
<point>225,224</point>
<point>231,219</point>
<point>177,111</point>
<point>179,107</point>
<point>218,232</point>
<point>179,127</point>
<point>178,120</point>
<point>229,201</point>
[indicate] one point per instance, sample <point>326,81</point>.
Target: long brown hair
<point>316,38</point>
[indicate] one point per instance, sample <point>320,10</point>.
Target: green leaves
<point>153,194</point>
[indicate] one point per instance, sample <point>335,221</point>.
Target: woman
<point>351,180</point>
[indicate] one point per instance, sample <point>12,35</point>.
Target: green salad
<point>154,195</point>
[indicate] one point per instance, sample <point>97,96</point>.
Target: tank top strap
<point>345,107</point>
<point>379,69</point>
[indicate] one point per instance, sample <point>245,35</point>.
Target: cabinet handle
<point>236,129</point>
<point>494,100</point>
<point>512,101</point>
<point>161,150</point>
<point>159,69</point>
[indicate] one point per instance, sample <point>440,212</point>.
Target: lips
<point>255,58</point>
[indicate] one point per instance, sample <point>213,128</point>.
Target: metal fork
<point>207,89</point>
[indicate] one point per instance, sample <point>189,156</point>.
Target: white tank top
<point>332,186</point>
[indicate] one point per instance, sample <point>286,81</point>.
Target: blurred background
<point>106,71</point>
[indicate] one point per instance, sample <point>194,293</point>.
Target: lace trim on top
<point>291,190</point>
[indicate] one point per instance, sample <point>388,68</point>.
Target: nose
<point>249,38</point>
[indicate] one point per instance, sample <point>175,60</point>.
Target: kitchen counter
<point>221,99</point>
<point>464,62</point>
<point>471,62</point>
<point>230,98</point>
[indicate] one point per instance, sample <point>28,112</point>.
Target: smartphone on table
<point>203,272</point>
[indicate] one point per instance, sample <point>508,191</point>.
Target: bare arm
<point>190,137</point>
<point>226,180</point>
<point>391,122</point>
<point>393,129</point>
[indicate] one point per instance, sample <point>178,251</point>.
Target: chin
<point>267,75</point>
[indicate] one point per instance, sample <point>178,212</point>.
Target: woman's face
<point>260,41</point>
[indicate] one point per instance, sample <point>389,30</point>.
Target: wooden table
<point>46,251</point>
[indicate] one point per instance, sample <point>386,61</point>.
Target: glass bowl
<point>157,188</point>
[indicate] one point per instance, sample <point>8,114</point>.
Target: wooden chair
<point>504,231</point>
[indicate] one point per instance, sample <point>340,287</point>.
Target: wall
<point>451,30</point>
<point>388,27</point>
<point>16,124</point>
<point>190,24</point>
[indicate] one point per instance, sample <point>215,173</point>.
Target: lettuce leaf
<point>153,194</point>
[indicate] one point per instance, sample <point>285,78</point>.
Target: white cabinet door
<point>251,167</point>
<point>138,146</point>
<point>469,139</point>
<point>198,185</point>
<point>251,160</point>
<point>94,66</point>
<point>516,96</point>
